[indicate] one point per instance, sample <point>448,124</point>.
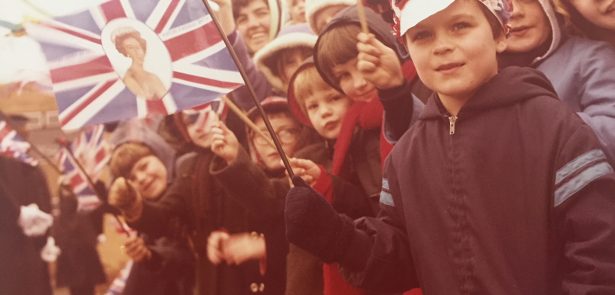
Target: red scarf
<point>364,115</point>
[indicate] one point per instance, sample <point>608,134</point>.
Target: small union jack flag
<point>119,283</point>
<point>13,145</point>
<point>93,153</point>
<point>131,58</point>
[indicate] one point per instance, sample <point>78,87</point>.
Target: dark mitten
<point>313,224</point>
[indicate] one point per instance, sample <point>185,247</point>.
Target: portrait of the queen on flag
<point>129,58</point>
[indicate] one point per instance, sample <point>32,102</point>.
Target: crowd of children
<point>456,147</point>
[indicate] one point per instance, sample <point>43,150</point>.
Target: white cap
<point>413,12</point>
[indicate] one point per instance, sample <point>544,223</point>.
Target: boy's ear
<point>501,44</point>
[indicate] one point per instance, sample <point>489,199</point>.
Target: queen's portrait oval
<point>139,57</point>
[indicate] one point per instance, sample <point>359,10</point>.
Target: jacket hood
<point>556,31</point>
<point>510,86</point>
<point>293,104</point>
<point>139,131</point>
<point>377,25</point>
<point>294,36</point>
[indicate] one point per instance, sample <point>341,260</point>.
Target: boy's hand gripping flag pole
<point>69,152</point>
<point>242,71</point>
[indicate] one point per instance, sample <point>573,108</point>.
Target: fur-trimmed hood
<point>312,7</point>
<point>293,36</point>
<point>556,31</point>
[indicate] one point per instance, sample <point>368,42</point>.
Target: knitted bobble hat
<point>412,12</point>
<point>293,36</point>
<point>312,7</point>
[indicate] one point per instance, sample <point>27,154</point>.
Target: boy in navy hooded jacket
<point>508,191</point>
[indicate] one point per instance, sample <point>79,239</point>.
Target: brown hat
<point>270,104</point>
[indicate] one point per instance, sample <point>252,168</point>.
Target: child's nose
<point>442,46</point>
<point>517,9</point>
<point>253,22</point>
<point>359,81</point>
<point>325,111</point>
<point>140,178</point>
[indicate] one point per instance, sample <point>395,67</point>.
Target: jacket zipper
<point>451,124</point>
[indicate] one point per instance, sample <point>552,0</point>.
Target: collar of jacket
<point>511,85</point>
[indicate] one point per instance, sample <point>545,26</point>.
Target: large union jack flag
<point>13,145</point>
<point>93,153</point>
<point>92,76</point>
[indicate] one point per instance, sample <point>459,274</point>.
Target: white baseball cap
<point>412,12</point>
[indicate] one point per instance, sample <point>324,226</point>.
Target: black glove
<point>313,224</point>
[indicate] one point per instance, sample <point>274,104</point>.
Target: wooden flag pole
<point>65,146</point>
<point>248,85</point>
<point>362,18</point>
<point>247,120</point>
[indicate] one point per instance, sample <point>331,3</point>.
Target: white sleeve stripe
<point>572,186</point>
<point>578,164</point>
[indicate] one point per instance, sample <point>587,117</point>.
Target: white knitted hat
<point>293,36</point>
<point>312,7</point>
<point>412,12</point>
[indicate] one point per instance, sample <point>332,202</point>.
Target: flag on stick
<point>130,58</point>
<point>12,144</point>
<point>93,153</point>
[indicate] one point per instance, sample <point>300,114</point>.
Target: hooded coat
<point>396,108</point>
<point>582,72</point>
<point>170,270</point>
<point>203,205</point>
<point>514,197</point>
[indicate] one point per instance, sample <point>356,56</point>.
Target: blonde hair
<point>125,156</point>
<point>305,83</point>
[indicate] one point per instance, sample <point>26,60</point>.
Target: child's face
<point>326,109</point>
<point>529,26</point>
<point>297,11</point>
<point>291,59</point>
<point>454,50</point>
<point>601,13</point>
<point>288,131</point>
<point>149,177</point>
<point>325,15</point>
<point>353,83</point>
<point>253,24</point>
<point>199,125</point>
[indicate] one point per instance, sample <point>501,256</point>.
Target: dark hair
<point>336,46</point>
<point>239,4</point>
<point>126,155</point>
<point>119,41</point>
<point>276,61</point>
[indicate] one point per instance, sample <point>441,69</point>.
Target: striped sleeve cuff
<point>579,173</point>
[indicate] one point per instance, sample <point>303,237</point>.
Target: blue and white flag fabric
<point>130,58</point>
